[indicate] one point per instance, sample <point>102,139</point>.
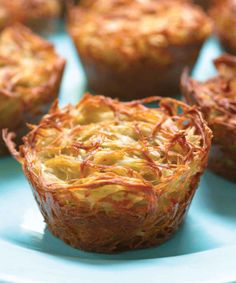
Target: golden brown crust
<point>217,100</point>
<point>126,42</point>
<point>30,76</point>
<point>111,176</point>
<point>30,12</point>
<point>223,13</point>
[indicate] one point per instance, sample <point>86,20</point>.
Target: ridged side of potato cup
<point>217,100</point>
<point>223,13</point>
<point>110,176</point>
<point>30,77</point>
<point>141,46</point>
<point>39,15</point>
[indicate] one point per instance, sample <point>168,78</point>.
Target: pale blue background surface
<point>203,250</point>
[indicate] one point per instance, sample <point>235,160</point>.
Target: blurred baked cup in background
<point>30,77</point>
<point>132,48</point>
<point>40,15</point>
<point>216,98</point>
<point>223,12</point>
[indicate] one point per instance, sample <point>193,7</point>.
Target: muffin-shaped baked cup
<point>111,176</point>
<point>39,15</point>
<point>217,100</point>
<point>139,46</point>
<point>30,76</point>
<point>223,13</point>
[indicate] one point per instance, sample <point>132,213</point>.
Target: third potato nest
<point>216,99</point>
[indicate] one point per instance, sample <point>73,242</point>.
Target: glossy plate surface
<point>204,249</point>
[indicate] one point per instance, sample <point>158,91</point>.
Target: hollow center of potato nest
<point>102,141</point>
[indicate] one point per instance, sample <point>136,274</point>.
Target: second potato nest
<point>111,176</point>
<point>139,46</point>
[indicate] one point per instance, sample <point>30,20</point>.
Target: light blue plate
<point>203,250</point>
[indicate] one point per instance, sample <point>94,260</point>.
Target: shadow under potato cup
<point>30,77</point>
<point>134,49</point>
<point>216,98</point>
<point>110,176</point>
<point>223,13</point>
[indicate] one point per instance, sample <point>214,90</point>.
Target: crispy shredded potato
<point>111,176</point>
<point>30,75</point>
<point>217,99</point>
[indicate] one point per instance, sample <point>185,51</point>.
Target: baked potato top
<point>26,10</point>
<point>29,65</point>
<point>216,96</point>
<point>125,30</point>
<point>102,146</point>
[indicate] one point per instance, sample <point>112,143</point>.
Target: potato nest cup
<point>111,176</point>
<point>141,46</point>
<point>223,12</point>
<point>30,76</point>
<point>217,100</point>
<point>38,14</point>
